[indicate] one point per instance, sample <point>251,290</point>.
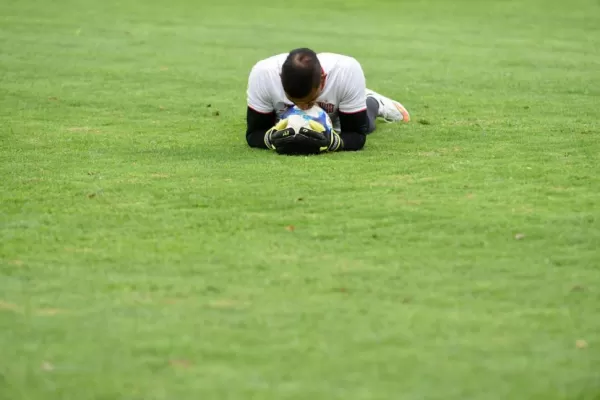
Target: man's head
<point>302,77</point>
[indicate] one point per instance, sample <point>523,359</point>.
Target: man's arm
<point>354,128</point>
<point>354,122</point>
<point>257,124</point>
<point>260,116</point>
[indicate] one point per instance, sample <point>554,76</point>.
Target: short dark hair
<point>301,73</point>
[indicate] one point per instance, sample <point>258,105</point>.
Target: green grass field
<point>148,254</point>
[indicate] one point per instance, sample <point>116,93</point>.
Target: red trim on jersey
<point>355,112</point>
<point>260,112</point>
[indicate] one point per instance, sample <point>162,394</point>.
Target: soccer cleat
<point>390,110</point>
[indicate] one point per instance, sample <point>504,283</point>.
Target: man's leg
<point>390,110</point>
<point>372,112</point>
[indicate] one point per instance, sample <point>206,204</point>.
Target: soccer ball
<point>298,118</point>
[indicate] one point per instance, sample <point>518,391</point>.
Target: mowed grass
<point>148,254</point>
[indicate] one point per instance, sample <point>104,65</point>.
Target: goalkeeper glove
<point>327,142</point>
<point>278,135</point>
<point>335,141</point>
<point>311,140</point>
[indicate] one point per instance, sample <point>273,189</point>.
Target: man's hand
<point>311,140</point>
<point>334,141</point>
<point>278,135</point>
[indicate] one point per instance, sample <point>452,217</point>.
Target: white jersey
<point>344,88</point>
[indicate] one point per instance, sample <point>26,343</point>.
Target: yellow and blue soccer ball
<point>298,118</point>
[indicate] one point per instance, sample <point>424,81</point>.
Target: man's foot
<point>390,110</point>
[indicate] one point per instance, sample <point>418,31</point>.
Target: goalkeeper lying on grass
<point>303,78</point>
